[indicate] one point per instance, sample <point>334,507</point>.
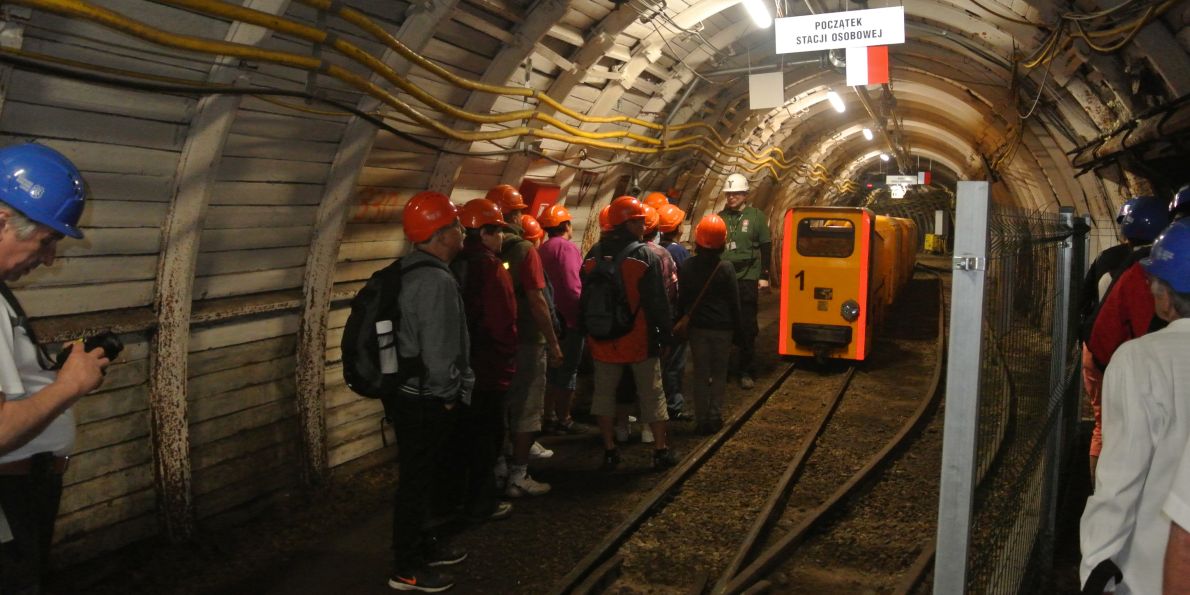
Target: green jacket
<point>747,232</point>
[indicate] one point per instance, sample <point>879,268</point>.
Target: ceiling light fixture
<point>867,134</point>
<point>759,13</point>
<point>884,156</point>
<point>836,101</point>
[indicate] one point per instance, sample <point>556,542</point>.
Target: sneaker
<point>501,473</point>
<point>622,434</point>
<point>503,510</point>
<point>746,381</point>
<point>426,580</point>
<point>611,459</point>
<point>526,486</point>
<point>537,451</point>
<point>566,428</point>
<point>664,459</point>
<point>441,554</point>
<point>646,434</point>
<point>679,415</point>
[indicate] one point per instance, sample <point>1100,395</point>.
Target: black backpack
<point>605,313</point>
<point>377,301</point>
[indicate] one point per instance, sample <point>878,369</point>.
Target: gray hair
<point>22,225</point>
<point>1179,301</point>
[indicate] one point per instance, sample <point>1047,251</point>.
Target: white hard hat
<point>736,183</point>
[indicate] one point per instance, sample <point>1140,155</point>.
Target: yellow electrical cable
<point>1132,31</point>
<point>353,52</point>
<point>118,22</point>
<point>380,34</point>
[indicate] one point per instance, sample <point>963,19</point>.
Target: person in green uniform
<point>749,250</point>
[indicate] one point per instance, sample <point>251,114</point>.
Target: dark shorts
<point>563,377</point>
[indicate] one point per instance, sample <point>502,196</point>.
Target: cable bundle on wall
<point>772,160</point>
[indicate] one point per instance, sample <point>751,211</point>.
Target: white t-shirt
<point>21,376</point>
<point>1146,423</point>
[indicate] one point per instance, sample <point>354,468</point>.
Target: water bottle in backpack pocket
<point>372,364</point>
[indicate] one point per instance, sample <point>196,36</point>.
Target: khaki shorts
<point>647,375</point>
<point>526,395</point>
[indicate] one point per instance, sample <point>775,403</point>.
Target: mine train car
<point>841,269</point>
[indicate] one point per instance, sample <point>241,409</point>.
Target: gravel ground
<point>881,530</point>
<point>283,546</point>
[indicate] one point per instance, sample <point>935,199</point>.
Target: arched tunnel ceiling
<point>996,89</point>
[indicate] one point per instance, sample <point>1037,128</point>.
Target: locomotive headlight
<point>850,310</point>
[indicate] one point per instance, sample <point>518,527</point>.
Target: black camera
<point>107,340</point>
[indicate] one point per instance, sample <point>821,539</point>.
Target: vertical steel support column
<point>964,361</point>
<point>1064,284</point>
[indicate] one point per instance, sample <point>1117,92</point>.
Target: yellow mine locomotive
<point>841,269</point>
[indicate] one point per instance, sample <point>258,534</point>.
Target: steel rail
<point>656,499</point>
<point>770,513</point>
<point>778,553</point>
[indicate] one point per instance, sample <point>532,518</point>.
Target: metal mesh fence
<point>1020,396</point>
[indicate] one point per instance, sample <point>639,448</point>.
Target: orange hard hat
<point>652,219</point>
<point>711,232</point>
<point>507,198</point>
<point>532,228</point>
<point>671,217</point>
<point>554,216</point>
<point>605,223</point>
<point>656,200</point>
<point>480,212</point>
<point>625,208</point>
<point>426,213</point>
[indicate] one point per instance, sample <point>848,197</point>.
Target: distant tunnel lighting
<point>836,101</point>
<point>759,13</point>
<point>884,156</point>
<point>867,133</point>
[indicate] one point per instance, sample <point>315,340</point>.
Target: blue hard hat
<point>1124,209</point>
<point>1180,202</point>
<point>43,185</point>
<point>1149,215</point>
<point>1170,257</point>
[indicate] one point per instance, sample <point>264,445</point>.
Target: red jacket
<point>645,291</point>
<point>491,315</point>
<point>1127,313</point>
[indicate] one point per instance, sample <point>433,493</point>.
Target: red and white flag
<point>867,65</point>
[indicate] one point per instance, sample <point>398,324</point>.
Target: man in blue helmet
<point>1146,416</point>
<point>1126,309</point>
<point>41,200</point>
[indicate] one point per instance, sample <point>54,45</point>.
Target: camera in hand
<point>107,340</point>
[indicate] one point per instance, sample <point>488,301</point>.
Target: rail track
<point>683,512</point>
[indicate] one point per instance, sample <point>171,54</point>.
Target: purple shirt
<point>561,260</point>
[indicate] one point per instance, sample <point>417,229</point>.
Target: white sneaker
<point>537,451</point>
<point>646,434</point>
<point>525,486</point>
<point>622,434</point>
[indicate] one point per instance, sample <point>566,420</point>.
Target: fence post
<point>963,372</point>
<point>1064,285</point>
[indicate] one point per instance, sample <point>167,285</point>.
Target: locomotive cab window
<point>827,238</point>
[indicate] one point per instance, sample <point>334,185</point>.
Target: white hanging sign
<point>766,90</point>
<point>855,28</point>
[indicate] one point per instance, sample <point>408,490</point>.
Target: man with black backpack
<point>433,329</point>
<point>626,317</point>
